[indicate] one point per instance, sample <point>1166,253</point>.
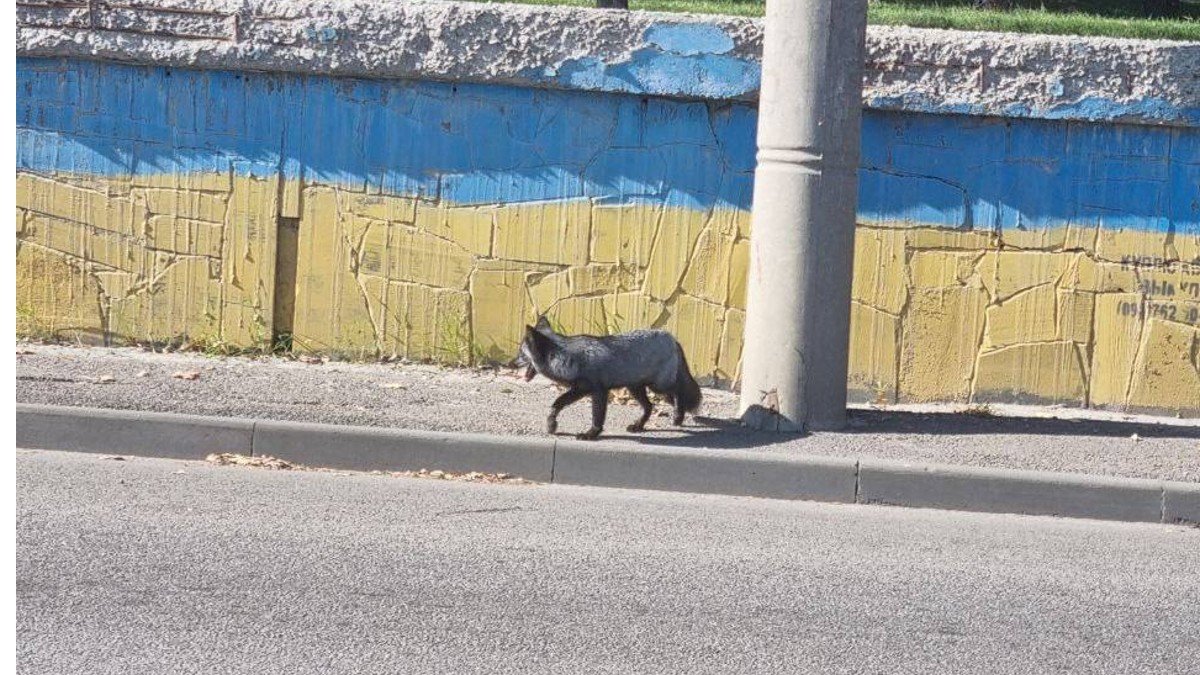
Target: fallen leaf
<point>105,379</point>
<point>21,352</point>
<point>392,385</point>
<point>115,458</point>
<point>305,358</point>
<point>143,373</point>
<point>261,461</point>
<point>469,477</point>
<point>186,374</point>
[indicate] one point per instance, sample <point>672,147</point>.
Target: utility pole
<point>794,362</point>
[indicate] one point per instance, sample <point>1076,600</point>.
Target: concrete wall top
<point>678,55</point>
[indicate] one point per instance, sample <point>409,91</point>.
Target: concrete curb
<point>740,473</point>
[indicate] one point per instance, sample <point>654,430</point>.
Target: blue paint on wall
<point>689,39</point>
<point>1089,109</point>
<point>690,60</point>
<point>650,71</point>
<point>480,144</point>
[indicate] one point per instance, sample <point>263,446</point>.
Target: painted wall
<point>997,259</point>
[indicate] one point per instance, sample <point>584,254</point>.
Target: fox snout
<point>523,361</point>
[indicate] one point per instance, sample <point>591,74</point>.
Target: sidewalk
<point>500,403</point>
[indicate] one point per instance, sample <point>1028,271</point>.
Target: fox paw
<point>678,420</point>
<point>590,435</point>
<point>636,427</point>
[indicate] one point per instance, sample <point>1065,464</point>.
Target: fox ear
<point>542,321</point>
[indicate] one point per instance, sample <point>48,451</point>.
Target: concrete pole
<point>794,362</point>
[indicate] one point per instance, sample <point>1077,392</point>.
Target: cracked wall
<point>996,260</point>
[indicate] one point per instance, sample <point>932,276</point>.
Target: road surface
<point>157,566</point>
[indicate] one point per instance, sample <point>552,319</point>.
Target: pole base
<point>764,419</point>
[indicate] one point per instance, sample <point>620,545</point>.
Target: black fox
<point>591,366</point>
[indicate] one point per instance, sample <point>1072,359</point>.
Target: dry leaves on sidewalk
<point>469,477</point>
<point>268,462</point>
<point>264,462</point>
<point>186,374</point>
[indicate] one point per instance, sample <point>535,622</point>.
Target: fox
<point>590,365</point>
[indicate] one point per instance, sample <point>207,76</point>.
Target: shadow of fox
<point>591,365</point>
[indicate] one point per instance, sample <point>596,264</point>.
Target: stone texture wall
<point>711,57</point>
<point>1042,256</point>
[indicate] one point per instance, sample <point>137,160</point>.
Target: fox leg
<point>599,412</point>
<point>571,396</point>
<point>639,395</point>
<point>679,412</point>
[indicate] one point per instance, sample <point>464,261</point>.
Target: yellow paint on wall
<point>387,208</point>
<point>1044,372</point>
<point>707,276</point>
<point>1184,247</point>
<point>1030,316</point>
<point>1005,274</point>
<point>624,234</point>
<point>1116,244</point>
<point>185,236</point>
<point>1052,238</point>
<point>1086,274</point>
<point>61,200</point>
<point>938,314</point>
<point>422,258</point>
<point>1166,375</point>
<point>549,232</point>
<point>470,228</point>
<point>599,279</point>
<point>204,206</point>
<point>739,271</point>
<point>425,323</point>
<point>942,332</point>
<point>332,314</point>
<point>919,238</point>
<point>629,311</point>
<point>248,262</point>
<point>1117,334</point>
<point>874,351</point>
<point>581,315</point>
<point>1075,313</point>
<point>182,299</point>
<point>942,269</point>
<point>880,279</point>
<point>499,313</point>
<point>698,326</point>
<point>189,182</point>
<point>547,290</point>
<point>56,298</point>
<point>672,251</point>
<point>729,364</point>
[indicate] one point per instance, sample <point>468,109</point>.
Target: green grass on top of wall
<point>1108,18</point>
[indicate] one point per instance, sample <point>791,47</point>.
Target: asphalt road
<point>159,566</point>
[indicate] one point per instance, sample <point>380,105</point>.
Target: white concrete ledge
<point>642,53</point>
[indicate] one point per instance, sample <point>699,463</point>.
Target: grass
<point>1107,18</point>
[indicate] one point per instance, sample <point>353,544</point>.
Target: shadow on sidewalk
<point>904,422</point>
<point>723,433</point>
